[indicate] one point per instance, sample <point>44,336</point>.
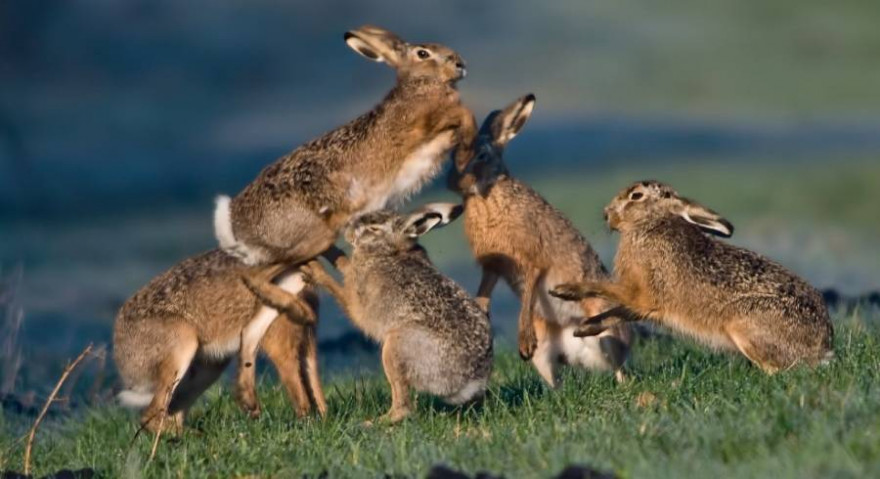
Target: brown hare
<point>670,271</point>
<point>295,207</point>
<point>174,337</point>
<point>517,235</point>
<point>434,336</point>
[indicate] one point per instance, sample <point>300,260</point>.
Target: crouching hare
<point>175,336</point>
<point>295,207</point>
<point>434,336</point>
<point>517,235</point>
<point>669,271</point>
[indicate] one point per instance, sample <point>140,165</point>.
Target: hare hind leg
<point>296,308</point>
<point>758,347</point>
<point>311,367</point>
<point>201,375</point>
<point>284,345</point>
<point>394,363</point>
<point>547,353</point>
<point>168,377</point>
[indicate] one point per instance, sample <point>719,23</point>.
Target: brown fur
<point>670,271</point>
<point>180,332</point>
<point>434,336</point>
<point>517,235</point>
<point>295,207</point>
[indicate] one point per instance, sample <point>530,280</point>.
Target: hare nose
<point>461,69</point>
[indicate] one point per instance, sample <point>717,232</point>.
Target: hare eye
<point>636,196</point>
<point>423,54</point>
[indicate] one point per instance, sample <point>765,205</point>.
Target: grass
<point>687,412</point>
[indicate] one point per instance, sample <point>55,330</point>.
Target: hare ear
<point>430,216</point>
<point>376,44</point>
<point>708,220</point>
<point>420,223</point>
<point>448,211</point>
<point>507,123</point>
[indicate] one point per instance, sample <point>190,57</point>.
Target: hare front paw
<point>568,292</point>
<point>246,399</point>
<point>528,343</point>
<point>589,329</point>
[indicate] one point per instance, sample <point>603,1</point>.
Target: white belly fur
<point>419,167</point>
<point>555,310</point>
<point>581,352</point>
<point>416,170</point>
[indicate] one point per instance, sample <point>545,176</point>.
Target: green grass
<point>687,412</point>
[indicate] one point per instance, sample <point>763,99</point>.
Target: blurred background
<point>121,120</point>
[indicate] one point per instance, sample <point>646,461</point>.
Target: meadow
<point>686,412</point>
<point>119,123</point>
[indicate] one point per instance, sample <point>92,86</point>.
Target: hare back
<point>409,289</point>
<point>189,287</point>
<point>688,273</point>
<point>512,220</point>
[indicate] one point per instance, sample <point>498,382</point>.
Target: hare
<point>295,207</point>
<point>434,336</point>
<point>175,336</point>
<point>667,270</point>
<point>517,235</point>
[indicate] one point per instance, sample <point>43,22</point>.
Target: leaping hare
<point>294,209</point>
<point>174,337</point>
<point>517,235</point>
<point>670,271</point>
<point>434,336</point>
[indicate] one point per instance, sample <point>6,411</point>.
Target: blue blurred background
<point>121,120</point>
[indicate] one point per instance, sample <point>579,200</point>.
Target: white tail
<point>134,399</point>
<point>223,223</point>
<point>226,237</point>
<point>472,390</point>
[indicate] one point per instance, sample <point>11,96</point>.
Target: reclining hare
<point>295,207</point>
<point>516,235</point>
<point>669,271</point>
<point>175,336</point>
<point>434,336</point>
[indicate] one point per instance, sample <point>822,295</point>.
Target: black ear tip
<point>729,227</point>
<point>347,36</point>
<point>456,211</point>
<point>530,98</point>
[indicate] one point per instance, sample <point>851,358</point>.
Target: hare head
<point>487,163</point>
<point>386,230</point>
<point>411,61</point>
<point>648,200</point>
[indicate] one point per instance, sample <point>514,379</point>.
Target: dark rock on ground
<point>577,471</point>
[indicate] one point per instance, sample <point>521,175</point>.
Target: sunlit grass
<point>687,412</point>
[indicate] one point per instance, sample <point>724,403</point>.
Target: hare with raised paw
<point>434,336</point>
<point>669,270</point>
<point>515,234</point>
<point>295,207</point>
